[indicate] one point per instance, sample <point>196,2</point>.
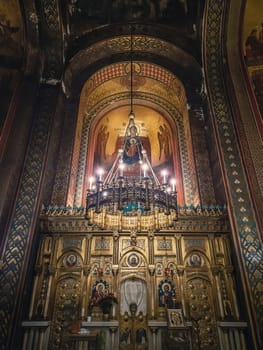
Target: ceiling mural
<point>253,47</point>
<point>115,79</point>
<point>81,15</point>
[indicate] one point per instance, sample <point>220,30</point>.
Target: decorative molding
<point>121,44</point>
<point>191,219</point>
<point>247,232</point>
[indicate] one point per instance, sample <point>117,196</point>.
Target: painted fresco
<point>153,129</point>
<point>253,47</point>
<point>11,30</point>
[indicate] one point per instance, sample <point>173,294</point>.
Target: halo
<point>166,284</point>
<point>138,128</point>
<point>133,140</point>
<point>100,284</point>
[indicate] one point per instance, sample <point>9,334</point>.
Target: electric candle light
<point>121,167</point>
<point>91,180</point>
<point>144,168</point>
<point>173,183</point>
<point>100,173</point>
<point>164,173</point>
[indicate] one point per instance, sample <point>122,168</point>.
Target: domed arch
<point>161,92</point>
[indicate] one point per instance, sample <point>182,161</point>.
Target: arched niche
<point>160,107</point>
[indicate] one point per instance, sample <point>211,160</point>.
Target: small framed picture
<point>133,260</point>
<point>175,318</point>
<point>71,260</point>
<point>195,259</point>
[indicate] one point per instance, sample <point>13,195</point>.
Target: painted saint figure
<point>103,135</point>
<point>100,290</point>
<point>132,147</point>
<point>166,294</point>
<point>164,146</point>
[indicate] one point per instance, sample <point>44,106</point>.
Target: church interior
<point>131,172</point>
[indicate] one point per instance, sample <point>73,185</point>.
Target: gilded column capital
<point>154,329</point>
<point>86,270</point>
<point>115,269</point>
<point>116,236</point>
<point>150,235</point>
<point>180,270</point>
<point>113,329</point>
<point>51,269</point>
<point>229,270</point>
<point>216,270</point>
<point>151,269</point>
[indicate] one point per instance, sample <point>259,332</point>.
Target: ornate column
<point>154,331</point>
<point>151,272</point>
<point>232,290</point>
<point>21,229</point>
<point>115,266</point>
<point>37,271</point>
<point>180,272</point>
<point>113,331</point>
<point>216,272</point>
<point>86,271</point>
<point>200,150</point>
<point>51,270</point>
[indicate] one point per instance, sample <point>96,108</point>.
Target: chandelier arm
<point>131,82</point>
<point>111,174</point>
<point>157,182</point>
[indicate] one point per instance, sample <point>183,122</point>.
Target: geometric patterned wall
<point>246,232</point>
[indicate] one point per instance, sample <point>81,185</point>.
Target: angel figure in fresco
<point>254,46</point>
<point>163,137</point>
<point>103,135</point>
<point>6,33</point>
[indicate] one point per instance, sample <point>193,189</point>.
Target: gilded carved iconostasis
<point>178,264</point>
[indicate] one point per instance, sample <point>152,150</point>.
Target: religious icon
<point>175,317</point>
<point>195,259</point>
<point>125,336</point>
<point>71,260</point>
<point>99,291</point>
<point>133,260</point>
<point>166,293</point>
<point>141,336</point>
